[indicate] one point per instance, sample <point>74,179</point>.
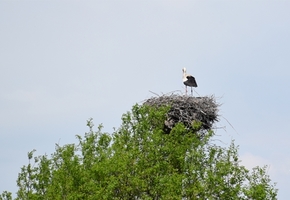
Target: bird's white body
<point>184,78</point>
<point>188,80</point>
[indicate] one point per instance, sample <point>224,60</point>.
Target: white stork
<point>188,80</point>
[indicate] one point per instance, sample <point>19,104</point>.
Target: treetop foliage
<point>140,161</point>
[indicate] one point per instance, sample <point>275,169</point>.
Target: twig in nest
<point>154,93</point>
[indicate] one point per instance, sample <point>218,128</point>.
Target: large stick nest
<point>187,110</point>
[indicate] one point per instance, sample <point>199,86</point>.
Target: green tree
<point>140,161</point>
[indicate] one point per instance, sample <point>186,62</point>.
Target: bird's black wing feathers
<point>191,81</point>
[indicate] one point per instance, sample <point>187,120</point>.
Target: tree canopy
<point>140,161</point>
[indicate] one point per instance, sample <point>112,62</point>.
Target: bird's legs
<point>185,90</point>
<point>191,90</point>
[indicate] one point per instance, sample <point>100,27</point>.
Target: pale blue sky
<point>63,62</point>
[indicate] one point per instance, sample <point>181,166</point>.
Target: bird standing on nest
<point>188,80</point>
